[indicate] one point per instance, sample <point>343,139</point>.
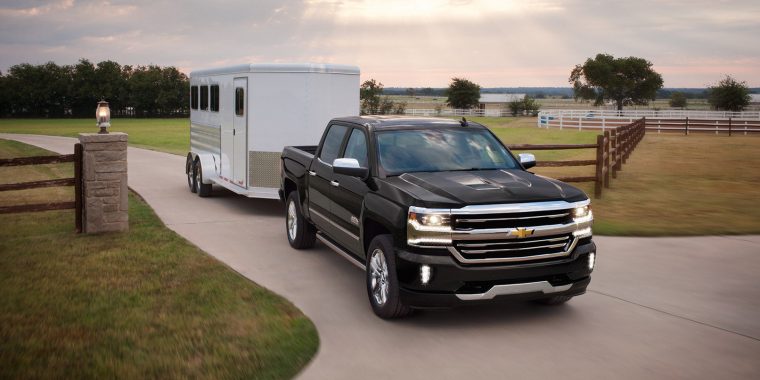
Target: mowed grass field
<point>671,185</point>
<point>166,135</point>
<point>140,304</point>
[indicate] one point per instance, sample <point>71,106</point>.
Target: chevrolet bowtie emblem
<point>522,233</point>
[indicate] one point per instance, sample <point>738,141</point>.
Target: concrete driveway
<point>657,308</point>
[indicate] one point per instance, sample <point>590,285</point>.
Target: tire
<point>203,190</point>
<point>382,280</point>
<point>301,234</point>
<point>555,300</point>
<point>190,171</point>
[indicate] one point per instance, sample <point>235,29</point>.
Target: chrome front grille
<point>495,237</point>
<point>522,219</point>
<point>503,233</point>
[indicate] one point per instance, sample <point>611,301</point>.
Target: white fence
<point>603,119</point>
<point>457,112</point>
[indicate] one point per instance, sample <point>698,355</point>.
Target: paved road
<point>657,308</point>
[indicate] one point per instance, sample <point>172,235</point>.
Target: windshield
<point>434,150</point>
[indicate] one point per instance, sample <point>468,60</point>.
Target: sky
<point>401,43</point>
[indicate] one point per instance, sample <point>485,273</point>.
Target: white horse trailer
<point>241,117</point>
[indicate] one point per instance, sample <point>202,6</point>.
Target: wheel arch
<point>208,166</point>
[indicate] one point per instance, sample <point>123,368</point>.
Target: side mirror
<point>349,167</point>
<point>528,160</point>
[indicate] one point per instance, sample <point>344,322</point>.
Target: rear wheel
<point>382,281</point>
<point>301,234</point>
<point>203,189</point>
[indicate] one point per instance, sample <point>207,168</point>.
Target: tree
<point>462,94</point>
<point>369,94</point>
<point>629,80</point>
<point>729,95</point>
<point>678,100</point>
<point>527,104</point>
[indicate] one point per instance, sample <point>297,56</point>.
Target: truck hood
<point>484,187</point>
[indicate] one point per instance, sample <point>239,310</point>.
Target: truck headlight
<point>580,212</point>
<point>426,227</point>
<point>583,214</point>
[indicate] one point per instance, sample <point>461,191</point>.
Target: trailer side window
<point>333,141</point>
<point>239,101</point>
<point>204,98</point>
<point>194,97</point>
<point>215,98</point>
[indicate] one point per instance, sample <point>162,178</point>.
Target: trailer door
<point>240,132</point>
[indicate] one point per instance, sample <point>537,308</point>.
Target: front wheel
<point>301,234</point>
<point>382,281</point>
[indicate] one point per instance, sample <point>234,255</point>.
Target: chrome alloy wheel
<point>292,221</point>
<point>379,276</point>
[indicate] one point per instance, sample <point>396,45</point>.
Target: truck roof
<point>375,122</point>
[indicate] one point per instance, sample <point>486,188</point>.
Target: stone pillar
<point>104,175</point>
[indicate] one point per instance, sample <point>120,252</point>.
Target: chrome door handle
<point>335,183</point>
<point>311,173</point>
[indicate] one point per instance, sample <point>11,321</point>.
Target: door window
<point>239,101</point>
<point>357,147</point>
<point>332,143</point>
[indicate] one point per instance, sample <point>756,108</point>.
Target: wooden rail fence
<point>687,125</point>
<point>76,181</point>
<point>613,148</point>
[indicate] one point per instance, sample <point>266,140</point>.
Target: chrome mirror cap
<point>528,160</point>
<point>346,163</point>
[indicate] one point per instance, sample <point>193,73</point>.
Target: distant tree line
<point>50,90</point>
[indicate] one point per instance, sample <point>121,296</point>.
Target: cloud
<point>400,43</point>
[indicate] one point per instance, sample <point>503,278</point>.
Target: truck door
<point>349,194</point>
<point>321,183</point>
<point>240,133</point>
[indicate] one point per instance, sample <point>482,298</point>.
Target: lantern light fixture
<point>103,116</point>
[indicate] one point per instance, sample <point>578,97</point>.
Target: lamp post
<point>103,116</point>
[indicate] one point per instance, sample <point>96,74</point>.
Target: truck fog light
<point>591,260</point>
<point>426,272</point>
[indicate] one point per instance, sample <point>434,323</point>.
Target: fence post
<point>607,159</point>
<point>78,204</point>
<point>687,125</point>
<point>614,152</point>
<point>729,127</point>
<point>599,166</point>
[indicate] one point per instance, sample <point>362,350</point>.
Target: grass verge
<point>166,135</point>
<point>141,304</point>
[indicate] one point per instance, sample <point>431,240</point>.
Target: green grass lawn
<point>166,135</point>
<point>141,304</point>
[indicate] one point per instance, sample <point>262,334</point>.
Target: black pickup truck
<point>438,212</point>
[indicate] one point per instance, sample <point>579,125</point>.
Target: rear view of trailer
<point>241,117</point>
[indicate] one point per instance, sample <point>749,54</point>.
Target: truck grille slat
<point>484,251</point>
<point>485,220</point>
<point>481,245</point>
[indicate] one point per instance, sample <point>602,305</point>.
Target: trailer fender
<point>209,167</point>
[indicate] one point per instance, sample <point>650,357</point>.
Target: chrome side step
<point>340,251</point>
<point>506,289</point>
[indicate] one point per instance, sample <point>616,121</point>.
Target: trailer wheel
<point>301,234</point>
<point>190,171</point>
<point>203,190</point>
<point>382,280</point>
